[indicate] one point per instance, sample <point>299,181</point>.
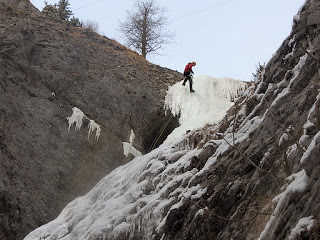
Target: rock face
<point>253,176</point>
<point>46,69</point>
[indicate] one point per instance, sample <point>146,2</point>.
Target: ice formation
<point>128,147</point>
<point>208,105</point>
<point>77,118</point>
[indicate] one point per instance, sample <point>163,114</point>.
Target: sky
<point>227,38</point>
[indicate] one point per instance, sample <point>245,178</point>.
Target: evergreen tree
<point>61,11</point>
<point>64,10</point>
<point>75,22</point>
<point>51,11</point>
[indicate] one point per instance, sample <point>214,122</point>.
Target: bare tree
<point>92,25</point>
<point>144,27</point>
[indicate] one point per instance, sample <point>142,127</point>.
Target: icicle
<point>128,147</point>
<point>76,118</point>
<point>92,126</point>
<point>132,137</point>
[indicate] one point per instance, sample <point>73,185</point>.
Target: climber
<point>187,73</point>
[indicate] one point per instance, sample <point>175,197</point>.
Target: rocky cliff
<point>253,176</point>
<point>46,69</point>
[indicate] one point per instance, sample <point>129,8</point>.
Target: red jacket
<point>188,68</point>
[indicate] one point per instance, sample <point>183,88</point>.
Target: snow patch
<point>288,56</point>
<point>298,184</point>
<point>296,71</point>
<point>304,225</point>
<point>283,138</point>
<point>311,147</point>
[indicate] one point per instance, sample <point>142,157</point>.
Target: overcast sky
<point>227,38</point>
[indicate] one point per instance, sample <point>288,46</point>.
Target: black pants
<point>188,77</point>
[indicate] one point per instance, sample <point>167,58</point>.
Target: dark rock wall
<point>46,69</point>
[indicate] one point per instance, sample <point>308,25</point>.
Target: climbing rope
<point>155,140</point>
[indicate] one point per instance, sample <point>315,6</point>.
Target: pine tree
<point>51,11</point>
<point>75,22</point>
<point>64,10</point>
<point>61,11</point>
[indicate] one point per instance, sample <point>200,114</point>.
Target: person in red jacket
<point>187,73</point>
